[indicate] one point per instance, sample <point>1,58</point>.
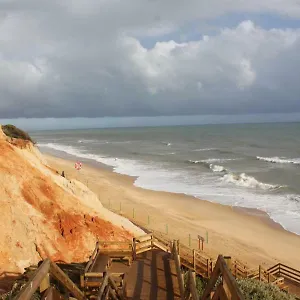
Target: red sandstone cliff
<point>46,215</point>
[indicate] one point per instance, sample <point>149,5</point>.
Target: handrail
<point>107,287</point>
<point>59,274</point>
<point>191,289</point>
<point>48,267</point>
<point>286,271</point>
<point>92,257</point>
<point>221,269</point>
<point>31,286</point>
<point>176,258</point>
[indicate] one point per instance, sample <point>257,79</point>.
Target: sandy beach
<point>248,235</point>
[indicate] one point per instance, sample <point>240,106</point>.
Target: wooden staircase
<point>154,265</point>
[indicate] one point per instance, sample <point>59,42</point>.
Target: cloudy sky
<point>95,58</point>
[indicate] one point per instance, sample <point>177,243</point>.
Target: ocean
<point>247,165</point>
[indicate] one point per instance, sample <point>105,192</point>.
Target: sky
<point>79,59</point>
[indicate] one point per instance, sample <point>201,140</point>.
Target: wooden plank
<point>52,294</point>
<point>220,293</point>
<point>192,285</point>
<point>213,279</point>
<point>288,276</point>
<point>114,286</point>
<point>101,243</point>
<point>143,244</point>
<point>103,286</point>
<point>144,250</point>
<point>100,264</point>
<point>222,269</point>
<point>230,281</point>
<point>117,253</point>
<point>113,295</point>
<point>297,275</point>
<point>94,275</point>
<point>31,286</point>
<point>178,271</point>
<point>145,237</point>
<point>65,280</point>
<point>285,266</point>
<point>274,268</point>
<point>92,257</point>
<point>160,246</point>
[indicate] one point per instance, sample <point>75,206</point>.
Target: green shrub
<point>14,132</point>
<point>256,290</point>
<point>252,289</point>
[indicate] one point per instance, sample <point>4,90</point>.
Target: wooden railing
<point>41,279</point>
<point>286,272</point>
<point>227,288</point>
<point>108,288</point>
<point>176,258</point>
<point>148,242</point>
<point>196,261</point>
<point>191,289</point>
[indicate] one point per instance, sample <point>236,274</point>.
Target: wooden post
<point>56,272</point>
<point>194,259</point>
<point>199,244</point>
<point>207,265</point>
<point>134,249</point>
<point>133,215</point>
<point>178,247</point>
<point>228,261</point>
<point>259,273</point>
<point>82,280</point>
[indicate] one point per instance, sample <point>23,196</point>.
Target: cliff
<point>46,215</point>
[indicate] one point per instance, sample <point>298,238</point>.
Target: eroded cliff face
<point>45,215</point>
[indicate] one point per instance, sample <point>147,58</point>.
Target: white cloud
<point>72,58</point>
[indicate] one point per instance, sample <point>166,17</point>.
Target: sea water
<point>253,166</point>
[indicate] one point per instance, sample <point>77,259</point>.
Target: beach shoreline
<point>247,234</point>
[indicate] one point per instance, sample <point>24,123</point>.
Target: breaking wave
<point>217,168</point>
<point>295,161</point>
<point>247,181</point>
<point>211,160</point>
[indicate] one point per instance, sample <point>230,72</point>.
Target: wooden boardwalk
<point>150,268</point>
<point>152,276</point>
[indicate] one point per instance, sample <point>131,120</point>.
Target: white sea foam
<point>85,141</point>
<point>280,160</point>
<point>212,160</point>
<point>217,168</point>
<point>284,209</point>
<point>248,181</point>
<point>204,149</point>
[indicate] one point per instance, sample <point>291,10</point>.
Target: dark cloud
<point>84,58</point>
